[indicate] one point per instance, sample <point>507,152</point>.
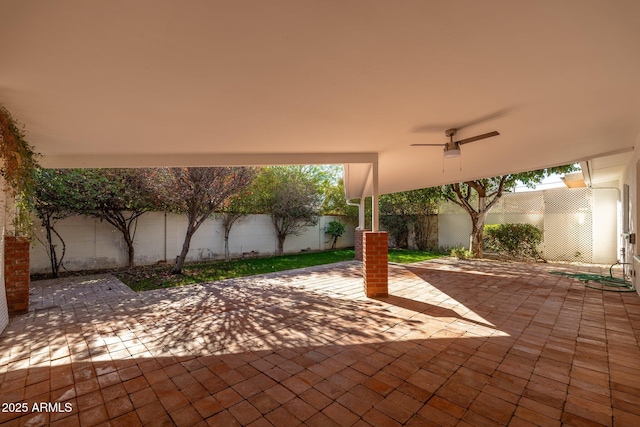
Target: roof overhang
<point>174,83</point>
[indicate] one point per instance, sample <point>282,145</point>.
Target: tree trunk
<point>177,269</point>
<point>281,244</point>
<point>226,243</point>
<point>130,249</point>
<point>477,233</point>
<point>52,250</point>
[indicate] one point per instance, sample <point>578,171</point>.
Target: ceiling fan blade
<point>478,137</point>
<point>428,145</point>
<point>434,127</point>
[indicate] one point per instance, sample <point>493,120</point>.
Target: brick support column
<point>16,273</point>
<point>375,263</point>
<point>358,243</point>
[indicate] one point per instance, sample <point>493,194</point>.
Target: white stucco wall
<point>92,244</point>
<point>4,311</point>
<point>631,178</point>
<point>605,231</point>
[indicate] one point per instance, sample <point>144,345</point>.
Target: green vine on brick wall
<point>18,162</point>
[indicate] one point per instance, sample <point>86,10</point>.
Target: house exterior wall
<point>4,310</point>
<point>92,244</point>
<point>632,179</point>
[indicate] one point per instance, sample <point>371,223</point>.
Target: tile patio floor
<point>457,343</point>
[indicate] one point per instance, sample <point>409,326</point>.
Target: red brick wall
<point>375,263</point>
<point>358,243</point>
<point>16,273</point>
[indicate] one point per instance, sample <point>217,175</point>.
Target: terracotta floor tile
<point>473,418</point>
<point>207,407</point>
<point>493,408</point>
<point>129,419</point>
<point>89,400</point>
<point>623,418</point>
<point>315,398</point>
<point>300,409</point>
<point>354,403</point>
<point>589,409</point>
<point>87,386</point>
<point>71,421</point>
<point>457,343</point>
<point>280,393</point>
<point>340,414</point>
<point>437,417</point>
<point>223,418</point>
<point>261,422</point>
<point>119,406</point>
<point>93,416</point>
<point>264,402</point>
<point>571,419</point>
<point>186,416</point>
<point>173,400</point>
<point>377,418</point>
<point>244,412</point>
<point>395,411</point>
<point>321,420</point>
<point>457,393</point>
<point>533,417</point>
<point>281,417</point>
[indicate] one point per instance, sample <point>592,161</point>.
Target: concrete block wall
<point>92,244</point>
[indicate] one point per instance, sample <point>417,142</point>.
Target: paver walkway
<point>457,343</point>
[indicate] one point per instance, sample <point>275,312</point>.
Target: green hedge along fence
<point>513,240</point>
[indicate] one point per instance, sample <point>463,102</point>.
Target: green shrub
<point>335,229</point>
<point>461,253</point>
<point>398,228</point>
<point>513,240</point>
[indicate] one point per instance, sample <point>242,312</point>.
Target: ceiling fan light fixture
<point>450,152</point>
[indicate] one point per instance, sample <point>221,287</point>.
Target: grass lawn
<point>159,276</point>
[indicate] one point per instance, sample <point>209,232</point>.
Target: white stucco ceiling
<point>151,82</point>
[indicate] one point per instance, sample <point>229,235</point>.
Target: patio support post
<point>16,273</point>
<point>375,250</point>
<point>375,215</point>
<point>360,230</point>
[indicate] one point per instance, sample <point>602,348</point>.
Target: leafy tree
<point>477,197</point>
<point>18,163</point>
<point>291,196</point>
<point>234,210</point>
<point>335,229</point>
<point>198,193</point>
<point>400,210</point>
<point>118,196</point>
<point>54,199</point>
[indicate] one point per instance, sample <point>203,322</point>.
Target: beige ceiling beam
<point>203,159</point>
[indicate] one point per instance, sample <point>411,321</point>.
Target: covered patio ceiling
<point>153,83</point>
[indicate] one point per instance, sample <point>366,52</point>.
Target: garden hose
<point>606,283</point>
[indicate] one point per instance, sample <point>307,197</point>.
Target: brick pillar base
<point>358,242</point>
<point>375,263</point>
<point>16,273</point>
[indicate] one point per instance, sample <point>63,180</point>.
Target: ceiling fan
<point>452,148</point>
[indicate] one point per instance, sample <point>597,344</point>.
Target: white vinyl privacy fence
<point>578,224</point>
<point>92,244</point>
